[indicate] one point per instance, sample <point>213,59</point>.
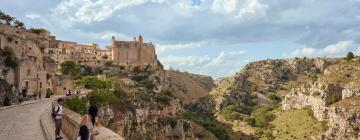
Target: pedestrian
<point>40,95</point>
<point>89,120</point>
<point>58,116</point>
<point>83,133</point>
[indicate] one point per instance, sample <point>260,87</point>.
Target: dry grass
<point>297,124</point>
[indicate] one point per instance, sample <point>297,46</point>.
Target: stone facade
<point>134,52</point>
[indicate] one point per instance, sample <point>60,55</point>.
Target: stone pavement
<point>23,122</point>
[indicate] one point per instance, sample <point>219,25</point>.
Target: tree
<point>69,67</point>
<point>19,24</point>
<point>8,19</point>
<point>349,56</point>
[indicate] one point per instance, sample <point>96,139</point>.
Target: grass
<point>350,103</point>
<point>297,124</point>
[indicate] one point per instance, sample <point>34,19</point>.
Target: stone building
<point>28,49</point>
<point>134,52</point>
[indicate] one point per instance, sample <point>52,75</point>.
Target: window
<point>16,42</point>
<point>40,85</point>
<point>28,72</point>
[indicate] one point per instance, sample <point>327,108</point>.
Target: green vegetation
<point>101,97</point>
<point>349,56</point>
<point>168,121</point>
<point>230,113</point>
<point>262,115</point>
<point>77,104</point>
<point>10,60</point>
<point>36,31</point>
<point>206,120</point>
<point>69,67</point>
<point>297,124</point>
<point>92,82</point>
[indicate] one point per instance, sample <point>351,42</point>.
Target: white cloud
<point>237,52</point>
<point>32,16</point>
<point>303,52</point>
<point>160,48</point>
<point>184,61</point>
<point>252,8</point>
<point>86,11</point>
<point>224,6</point>
<point>339,47</point>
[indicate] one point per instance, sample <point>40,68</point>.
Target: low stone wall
<point>71,125</point>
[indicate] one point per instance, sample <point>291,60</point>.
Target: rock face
<point>263,77</point>
<point>334,98</point>
<point>344,123</point>
<point>317,96</point>
<point>144,123</point>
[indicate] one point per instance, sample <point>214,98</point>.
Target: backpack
<point>54,113</point>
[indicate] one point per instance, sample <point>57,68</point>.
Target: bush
<point>230,113</point>
<point>104,57</point>
<point>168,120</point>
<point>91,82</point>
<point>206,120</point>
<point>77,104</point>
<point>36,31</point>
<point>48,93</point>
<point>10,60</point>
<point>274,98</point>
<point>263,115</point>
<point>163,99</point>
<point>69,67</point>
<point>100,97</point>
<point>136,69</point>
<point>349,56</point>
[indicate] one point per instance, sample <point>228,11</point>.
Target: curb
<point>13,106</point>
<point>44,119</point>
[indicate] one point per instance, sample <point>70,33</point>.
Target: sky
<point>210,37</point>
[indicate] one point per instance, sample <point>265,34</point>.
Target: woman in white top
<point>89,120</point>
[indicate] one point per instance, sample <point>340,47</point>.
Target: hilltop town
<point>38,54</point>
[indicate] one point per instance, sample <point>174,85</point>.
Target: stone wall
<point>71,125</point>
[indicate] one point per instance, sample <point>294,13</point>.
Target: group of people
<point>87,123</point>
<point>70,92</point>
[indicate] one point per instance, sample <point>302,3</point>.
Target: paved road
<point>23,122</point>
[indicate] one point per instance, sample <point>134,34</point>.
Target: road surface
<point>23,122</point>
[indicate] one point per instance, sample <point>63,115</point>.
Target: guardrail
<point>71,124</point>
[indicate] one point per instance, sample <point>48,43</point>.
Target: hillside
<point>189,87</point>
<point>259,99</point>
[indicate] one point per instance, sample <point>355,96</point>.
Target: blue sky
<point>211,37</point>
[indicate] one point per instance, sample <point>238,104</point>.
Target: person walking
<point>89,120</point>
<point>58,116</point>
<point>83,133</point>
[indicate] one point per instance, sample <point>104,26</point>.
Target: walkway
<point>23,122</point>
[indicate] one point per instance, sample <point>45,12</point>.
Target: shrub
<point>349,56</point>
<point>206,120</point>
<point>77,104</point>
<point>323,87</point>
<point>100,97</point>
<point>168,120</point>
<point>136,69</point>
<point>36,31</point>
<point>263,115</point>
<point>108,64</point>
<point>145,96</point>
<point>104,57</point>
<point>69,67</point>
<point>229,113</point>
<point>91,82</point>
<point>48,93</point>
<point>274,98</point>
<point>10,60</point>
<point>163,99</point>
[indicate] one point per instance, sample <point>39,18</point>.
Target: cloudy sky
<point>212,37</point>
